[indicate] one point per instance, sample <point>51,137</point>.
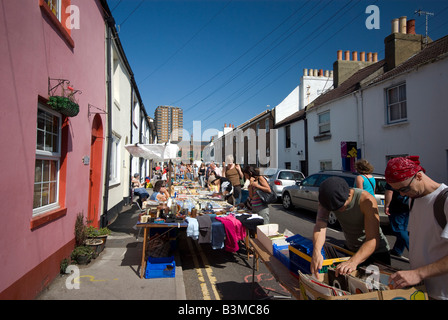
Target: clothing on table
<point>234,232</point>
<point>428,242</point>
<point>352,223</point>
<point>369,184</point>
<point>218,233</point>
<point>192,228</point>
<point>205,228</point>
<point>250,221</point>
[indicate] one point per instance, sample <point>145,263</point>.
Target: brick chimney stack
<point>344,69</point>
<point>402,43</point>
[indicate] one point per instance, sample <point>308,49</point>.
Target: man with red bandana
<point>428,242</point>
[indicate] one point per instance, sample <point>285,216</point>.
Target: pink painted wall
<point>31,51</point>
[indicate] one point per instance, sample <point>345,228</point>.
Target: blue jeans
<point>399,226</point>
<point>141,192</point>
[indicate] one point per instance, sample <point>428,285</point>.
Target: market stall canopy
<point>157,152</point>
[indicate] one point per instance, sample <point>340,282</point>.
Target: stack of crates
<point>300,253</point>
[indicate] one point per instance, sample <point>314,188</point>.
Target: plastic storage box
<point>160,268</point>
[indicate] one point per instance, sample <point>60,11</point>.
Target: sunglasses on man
<point>408,187</point>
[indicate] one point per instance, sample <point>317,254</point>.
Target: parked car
<point>304,194</point>
<point>281,178</point>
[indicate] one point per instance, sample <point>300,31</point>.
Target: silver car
<point>281,178</point>
<point>305,193</point>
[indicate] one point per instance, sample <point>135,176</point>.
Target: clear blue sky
<point>226,61</point>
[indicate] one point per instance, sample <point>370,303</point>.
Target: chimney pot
<point>362,56</point>
<point>321,73</point>
<point>355,55</point>
<point>316,72</point>
<point>347,55</point>
<point>369,57</point>
<point>410,26</point>
<point>395,26</point>
<point>225,125</point>
<point>327,73</point>
<point>305,72</point>
<point>402,24</point>
<point>339,54</point>
<point>375,57</point>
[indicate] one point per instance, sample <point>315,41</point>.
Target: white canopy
<point>157,152</point>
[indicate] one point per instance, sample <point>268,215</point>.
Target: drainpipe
<point>132,141</point>
<point>109,23</point>
<point>305,128</point>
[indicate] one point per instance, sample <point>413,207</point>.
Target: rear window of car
<point>380,187</point>
<point>290,175</point>
<point>350,180</point>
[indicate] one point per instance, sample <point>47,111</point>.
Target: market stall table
<point>146,237</point>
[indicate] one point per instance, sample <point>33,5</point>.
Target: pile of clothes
<point>222,231</point>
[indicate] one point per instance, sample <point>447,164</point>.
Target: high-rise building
<point>169,123</point>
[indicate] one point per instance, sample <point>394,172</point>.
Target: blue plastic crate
<point>160,268</point>
<point>284,258</point>
<point>303,244</point>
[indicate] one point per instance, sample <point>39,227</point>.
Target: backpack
<point>439,204</point>
<point>439,212</point>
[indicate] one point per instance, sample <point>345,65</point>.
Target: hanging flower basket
<point>64,105</point>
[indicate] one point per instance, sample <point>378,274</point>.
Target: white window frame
<point>114,174</point>
<point>48,155</point>
<point>324,126</point>
<point>400,104</point>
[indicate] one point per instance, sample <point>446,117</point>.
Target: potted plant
<point>96,245</point>
<point>65,105</point>
<point>101,234</point>
<point>80,230</point>
<point>82,254</point>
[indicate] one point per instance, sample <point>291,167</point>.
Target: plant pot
<point>83,259</point>
<point>96,244</point>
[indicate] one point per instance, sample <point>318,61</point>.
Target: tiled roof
<point>350,85</point>
<point>292,118</point>
<point>431,53</point>
<point>374,73</point>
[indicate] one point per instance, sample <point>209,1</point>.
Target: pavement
<point>115,273</point>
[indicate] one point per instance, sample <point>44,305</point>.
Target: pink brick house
<point>51,164</point>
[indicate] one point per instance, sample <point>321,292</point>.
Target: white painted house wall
<point>424,132</point>
<point>343,127</point>
<point>297,145</point>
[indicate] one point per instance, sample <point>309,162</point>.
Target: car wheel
<point>332,220</point>
<point>286,201</point>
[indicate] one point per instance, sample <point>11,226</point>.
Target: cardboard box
<point>268,234</point>
<point>313,291</point>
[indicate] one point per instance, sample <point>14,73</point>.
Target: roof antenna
<point>427,14</point>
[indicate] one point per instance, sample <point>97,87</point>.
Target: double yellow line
<point>208,271</point>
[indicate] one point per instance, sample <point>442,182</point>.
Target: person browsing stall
<point>257,181</point>
<point>160,193</point>
<point>233,172</point>
<point>428,239</point>
<point>225,186</point>
<point>139,189</point>
<point>357,213</point>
